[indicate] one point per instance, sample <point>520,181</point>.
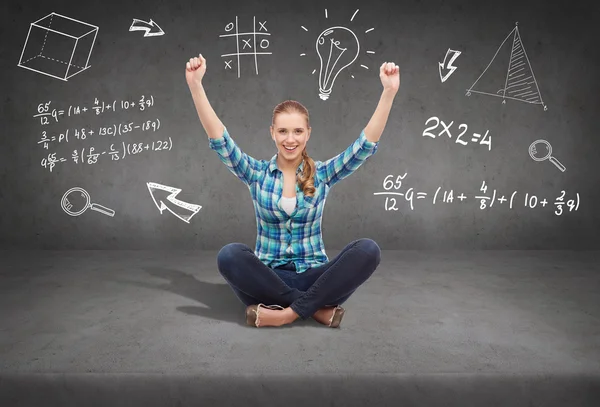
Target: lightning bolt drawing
<point>448,65</point>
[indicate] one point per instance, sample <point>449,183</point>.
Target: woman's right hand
<point>195,69</point>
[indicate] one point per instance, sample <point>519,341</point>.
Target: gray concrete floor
<point>496,312</point>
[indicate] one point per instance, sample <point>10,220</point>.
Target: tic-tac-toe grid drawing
<point>247,43</point>
<point>58,46</point>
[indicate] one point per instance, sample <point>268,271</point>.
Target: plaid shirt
<point>283,238</point>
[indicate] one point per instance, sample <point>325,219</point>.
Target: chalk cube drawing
<point>58,46</point>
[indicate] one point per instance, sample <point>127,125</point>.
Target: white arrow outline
<point>171,198</point>
<point>452,68</point>
<point>147,29</point>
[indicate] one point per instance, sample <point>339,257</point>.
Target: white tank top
<point>288,204</point>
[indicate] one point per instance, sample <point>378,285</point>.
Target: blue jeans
<point>329,284</point>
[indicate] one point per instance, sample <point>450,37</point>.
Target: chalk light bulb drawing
<point>337,48</point>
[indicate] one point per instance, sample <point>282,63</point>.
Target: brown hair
<point>306,178</point>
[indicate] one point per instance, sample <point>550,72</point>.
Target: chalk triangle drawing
<point>509,74</point>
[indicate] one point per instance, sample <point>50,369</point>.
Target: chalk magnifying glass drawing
<point>541,150</point>
<point>76,201</point>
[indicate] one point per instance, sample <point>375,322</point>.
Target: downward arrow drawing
<point>162,195</point>
<point>138,25</point>
<point>448,66</point>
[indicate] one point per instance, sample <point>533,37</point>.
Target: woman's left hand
<point>390,76</point>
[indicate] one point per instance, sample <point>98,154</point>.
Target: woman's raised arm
<point>390,79</point>
<point>194,72</point>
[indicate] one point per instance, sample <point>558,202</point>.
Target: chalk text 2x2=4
<point>445,128</point>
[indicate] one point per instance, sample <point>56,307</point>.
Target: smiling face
<point>290,130</point>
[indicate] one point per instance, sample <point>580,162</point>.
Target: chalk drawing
<point>182,210</point>
<point>519,82</point>
<point>541,150</point>
<point>77,200</point>
<point>337,47</point>
<point>447,65</point>
<point>58,46</point>
<point>150,27</point>
<point>249,45</point>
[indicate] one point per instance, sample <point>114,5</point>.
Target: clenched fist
<point>195,69</point>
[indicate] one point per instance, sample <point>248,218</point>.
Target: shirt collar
<point>273,165</point>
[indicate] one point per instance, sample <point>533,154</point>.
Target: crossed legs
<point>303,295</point>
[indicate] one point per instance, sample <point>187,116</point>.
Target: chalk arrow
<point>149,27</point>
<point>162,193</point>
<point>448,65</point>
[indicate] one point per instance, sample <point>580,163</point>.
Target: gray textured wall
<point>559,41</point>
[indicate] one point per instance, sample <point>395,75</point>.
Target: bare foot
<point>276,317</point>
<point>324,315</point>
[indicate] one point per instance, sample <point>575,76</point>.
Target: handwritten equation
<point>116,153</point>
<point>115,129</point>
<point>486,200</point>
<point>46,113</point>
<point>476,138</point>
<point>98,131</point>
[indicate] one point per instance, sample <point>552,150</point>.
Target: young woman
<point>289,267</point>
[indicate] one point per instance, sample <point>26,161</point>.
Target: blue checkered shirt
<point>283,238</point>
